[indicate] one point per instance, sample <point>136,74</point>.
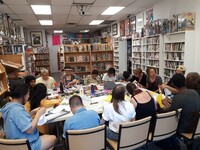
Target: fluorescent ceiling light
<point>96,22</point>
<point>41,9</point>
<point>58,31</point>
<point>46,22</point>
<point>112,10</point>
<point>84,31</point>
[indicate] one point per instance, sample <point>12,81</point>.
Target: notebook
<point>109,85</point>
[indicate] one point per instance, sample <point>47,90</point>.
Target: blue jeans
<point>112,135</point>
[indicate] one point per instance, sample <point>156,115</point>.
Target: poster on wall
<point>11,28</point>
<point>127,27</point>
<point>132,25</point>
<point>36,38</point>
<point>149,15</point>
<point>5,21</point>
<point>114,29</point>
<point>55,39</point>
<point>122,28</point>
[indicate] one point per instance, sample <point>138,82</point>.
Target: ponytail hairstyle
<point>37,94</point>
<point>18,91</point>
<point>118,95</point>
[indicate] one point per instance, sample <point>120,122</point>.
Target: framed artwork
<point>122,28</point>
<point>132,25</point>
<point>127,27</point>
<point>36,38</point>
<point>11,27</point>
<point>114,29</point>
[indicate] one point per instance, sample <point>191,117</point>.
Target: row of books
<point>152,63</point>
<point>6,50</point>
<point>80,68</point>
<point>137,42</point>
<point>79,58</point>
<point>136,55</point>
<point>174,56</point>
<point>169,73</point>
<point>41,57</point>
<point>37,69</point>
<point>152,55</point>
<point>86,48</point>
<point>153,47</point>
<point>102,57</point>
<point>102,66</point>
<point>174,46</point>
<point>136,49</point>
<point>136,61</point>
<point>40,50</point>
<point>153,40</point>
<point>41,63</point>
<point>172,65</point>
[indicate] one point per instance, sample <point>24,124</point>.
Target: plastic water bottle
<point>92,90</point>
<point>81,91</point>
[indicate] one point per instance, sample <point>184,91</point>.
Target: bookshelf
<point>116,54</point>
<point>3,80</point>
<point>178,50</point>
<point>137,56</point>
<point>152,50</point>
<point>102,57</point>
<point>83,58</point>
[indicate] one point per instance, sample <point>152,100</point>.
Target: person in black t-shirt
<point>170,85</point>
<point>189,101</point>
<point>140,77</point>
<point>153,80</point>
<point>193,81</point>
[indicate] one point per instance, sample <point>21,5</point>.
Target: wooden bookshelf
<point>3,80</point>
<point>41,60</point>
<point>83,58</point>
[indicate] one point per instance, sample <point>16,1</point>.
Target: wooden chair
<point>87,139</point>
<point>166,125</point>
<point>20,144</point>
<point>131,135</point>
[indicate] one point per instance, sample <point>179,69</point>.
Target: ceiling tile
<point>62,2</point>
<point>59,17</point>
<point>60,9</point>
<point>39,2</point>
<point>5,9</point>
<point>18,2</point>
<point>32,22</point>
<point>103,17</point>
<point>73,18</point>
<point>14,16</point>
<point>104,3</point>
<point>124,3</point>
<point>116,17</point>
<point>74,10</point>
<point>27,17</point>
<point>44,17</point>
<point>97,10</point>
<point>21,9</point>
<point>84,1</point>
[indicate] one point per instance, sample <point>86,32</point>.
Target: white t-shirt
<point>49,83</point>
<point>127,112</point>
<point>107,78</point>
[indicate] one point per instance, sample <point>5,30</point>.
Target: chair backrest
<point>166,125</point>
<point>197,132</point>
<point>87,139</point>
<point>133,134</point>
<point>19,144</point>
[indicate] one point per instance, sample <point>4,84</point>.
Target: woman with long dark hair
<point>117,112</point>
<point>18,124</point>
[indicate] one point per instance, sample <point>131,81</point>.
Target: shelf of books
<point>116,54</point>
<point>153,52</point>
<point>41,57</point>
<point>30,61</point>
<point>83,58</point>
<point>137,53</point>
<point>178,50</point>
<point>102,57</point>
<point>3,80</point>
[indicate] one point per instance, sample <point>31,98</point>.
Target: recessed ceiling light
<point>96,22</point>
<point>58,31</point>
<point>112,10</point>
<point>46,22</point>
<point>84,31</point>
<point>41,9</point>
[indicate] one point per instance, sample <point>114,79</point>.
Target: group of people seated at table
<point>28,101</point>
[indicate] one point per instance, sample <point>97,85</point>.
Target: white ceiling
<point>64,12</point>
